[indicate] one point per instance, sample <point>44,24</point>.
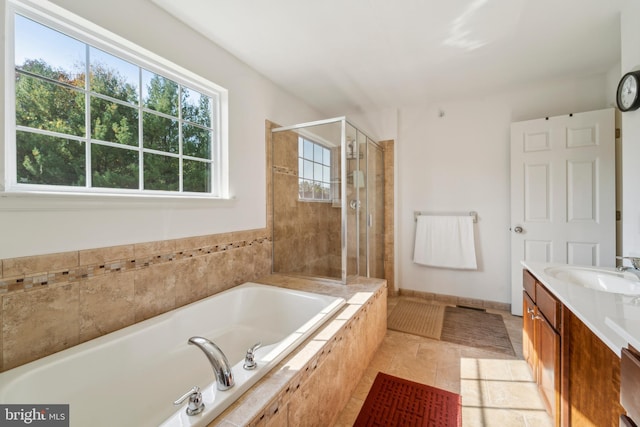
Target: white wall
<point>630,60</point>
<point>31,226</point>
<point>461,162</point>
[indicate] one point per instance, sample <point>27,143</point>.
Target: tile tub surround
<point>51,302</point>
<point>313,384</point>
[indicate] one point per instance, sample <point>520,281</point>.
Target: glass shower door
<point>365,213</point>
<point>375,210</point>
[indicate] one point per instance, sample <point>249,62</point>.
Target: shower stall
<point>327,200</point>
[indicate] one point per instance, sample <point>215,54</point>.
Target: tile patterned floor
<point>497,390</point>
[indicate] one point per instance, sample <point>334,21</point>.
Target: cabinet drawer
<point>548,305</point>
<point>630,384</point>
<point>529,284</point>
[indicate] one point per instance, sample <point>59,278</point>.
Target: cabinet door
<point>592,377</point>
<point>528,334</point>
<point>548,345</point>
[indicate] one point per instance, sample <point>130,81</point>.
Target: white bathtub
<point>131,377</point>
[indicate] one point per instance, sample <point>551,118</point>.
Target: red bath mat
<point>394,401</point>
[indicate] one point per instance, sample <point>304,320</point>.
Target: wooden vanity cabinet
<point>528,335</point>
<point>577,374</point>
<point>542,341</point>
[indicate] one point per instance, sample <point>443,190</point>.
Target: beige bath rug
<point>417,318</point>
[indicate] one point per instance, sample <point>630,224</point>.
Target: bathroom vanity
<point>573,336</point>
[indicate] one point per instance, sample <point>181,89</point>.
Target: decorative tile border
<point>39,280</point>
<point>285,170</point>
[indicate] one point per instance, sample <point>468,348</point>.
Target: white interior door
<point>562,193</point>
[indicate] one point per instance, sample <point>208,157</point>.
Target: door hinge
<point>617,132</point>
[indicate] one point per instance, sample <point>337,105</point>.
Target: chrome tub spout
<point>219,362</point>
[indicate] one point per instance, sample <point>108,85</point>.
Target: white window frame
<point>300,157</point>
<point>87,32</point>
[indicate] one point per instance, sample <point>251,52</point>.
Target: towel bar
<point>474,214</point>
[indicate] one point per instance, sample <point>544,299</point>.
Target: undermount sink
<point>601,280</point>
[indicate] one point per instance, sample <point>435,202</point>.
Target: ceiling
<point>369,55</point>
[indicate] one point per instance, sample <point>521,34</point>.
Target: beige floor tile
<point>473,393</point>
<point>512,394</point>
<point>537,418</point>
<point>492,369</point>
<point>363,387</point>
<point>350,413</point>
<point>497,389</point>
<point>491,417</point>
<point>520,371</point>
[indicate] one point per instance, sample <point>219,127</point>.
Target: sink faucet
<point>635,265</point>
<point>219,362</point>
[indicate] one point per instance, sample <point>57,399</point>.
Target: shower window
<point>314,171</point>
<point>86,120</point>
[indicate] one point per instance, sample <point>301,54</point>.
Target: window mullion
<point>140,134</point>
<point>87,115</point>
<point>180,161</point>
<point>216,152</point>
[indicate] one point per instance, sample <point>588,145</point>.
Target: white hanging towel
<point>445,241</point>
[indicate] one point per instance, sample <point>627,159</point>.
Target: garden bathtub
<point>131,377</point>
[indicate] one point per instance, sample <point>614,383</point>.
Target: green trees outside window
<point>314,171</point>
<point>86,118</point>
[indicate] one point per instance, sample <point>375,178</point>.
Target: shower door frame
<point>369,224</point>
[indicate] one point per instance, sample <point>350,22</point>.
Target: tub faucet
<point>219,362</point>
<point>635,262</point>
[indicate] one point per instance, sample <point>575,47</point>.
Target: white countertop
<point>614,318</point>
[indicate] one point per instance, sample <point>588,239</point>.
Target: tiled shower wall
<point>52,302</point>
<point>306,235</point>
<point>389,215</point>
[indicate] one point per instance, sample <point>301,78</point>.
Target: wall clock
<point>628,94</point>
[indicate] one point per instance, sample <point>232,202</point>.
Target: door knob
<point>518,229</point>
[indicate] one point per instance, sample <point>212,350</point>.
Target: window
<point>89,120</point>
<point>314,171</point>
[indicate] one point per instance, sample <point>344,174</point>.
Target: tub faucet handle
<point>196,405</point>
<point>249,358</point>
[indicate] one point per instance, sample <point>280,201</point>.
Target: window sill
<point>41,201</point>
